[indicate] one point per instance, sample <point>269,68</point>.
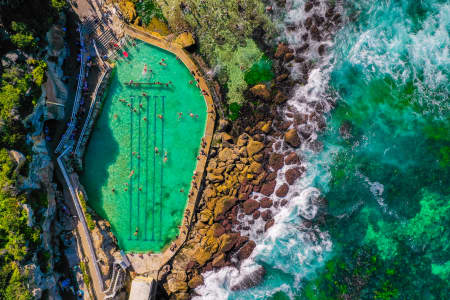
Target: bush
<point>39,72</point>
<point>23,40</point>
<point>234,109</point>
<point>59,4</point>
<point>18,26</point>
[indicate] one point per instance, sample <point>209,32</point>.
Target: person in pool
<point>144,71</point>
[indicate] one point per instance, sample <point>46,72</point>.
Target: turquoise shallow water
<point>384,169</point>
<point>146,208</point>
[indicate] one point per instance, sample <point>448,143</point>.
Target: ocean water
<point>150,192</point>
<point>383,167</point>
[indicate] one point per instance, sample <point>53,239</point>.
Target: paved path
<point>83,230</point>
<point>172,249</point>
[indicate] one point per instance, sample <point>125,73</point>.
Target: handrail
<point>91,109</point>
<point>76,103</point>
<point>81,217</point>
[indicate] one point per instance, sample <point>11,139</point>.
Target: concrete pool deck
<point>151,264</point>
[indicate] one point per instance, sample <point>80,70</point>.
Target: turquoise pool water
<point>145,208</point>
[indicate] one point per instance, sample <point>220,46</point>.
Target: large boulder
<point>268,188</point>
<point>175,285</point>
<point>282,190</point>
<point>276,161</point>
<point>291,137</point>
<point>291,175</point>
<point>223,205</point>
<point>254,147</point>
<point>185,39</point>
<point>246,250</point>
<point>250,280</point>
<point>195,281</point>
<point>250,206</point>
<point>261,91</point>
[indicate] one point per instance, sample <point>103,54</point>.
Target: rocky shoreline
<point>255,162</point>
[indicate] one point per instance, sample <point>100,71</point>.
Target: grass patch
<point>89,220</point>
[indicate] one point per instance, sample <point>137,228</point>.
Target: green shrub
<point>59,4</point>
<point>23,40</point>
<point>234,109</point>
<point>39,72</point>
<point>88,217</point>
<point>18,26</point>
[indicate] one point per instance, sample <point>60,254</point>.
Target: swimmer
<point>181,190</point>
<point>115,116</point>
<point>163,64</point>
<point>134,109</point>
<point>125,189</point>
<point>140,105</point>
<point>144,94</point>
<point>134,153</point>
<point>156,150</point>
<point>191,115</point>
<point>140,189</point>
<point>180,115</point>
<point>191,82</point>
<point>113,190</point>
<point>129,105</point>
<point>136,232</point>
<point>160,116</point>
<point>144,71</point>
<point>131,173</point>
<point>165,156</point>
<point>196,116</point>
<point>131,82</point>
<point>145,119</point>
<point>138,157</point>
<point>126,183</point>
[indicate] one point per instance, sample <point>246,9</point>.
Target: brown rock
<point>291,175</point>
<point>256,214</point>
<point>218,229</point>
<point>276,161</point>
<point>254,147</point>
<point>288,57</point>
<point>219,261</point>
<point>255,168</point>
<point>246,250</point>
<point>271,176</point>
<point>214,178</point>
<point>226,137</point>
<point>250,206</point>
<point>195,281</point>
<point>280,98</point>
<point>283,202</point>
<point>261,91</point>
<point>269,224</point>
<point>266,215</point>
<point>268,188</point>
<point>266,202</point>
<point>250,280</point>
<point>228,241</point>
<point>223,205</point>
<point>225,154</point>
<point>175,286</point>
<point>282,49</point>
<point>292,158</point>
<point>281,77</point>
<point>282,190</point>
<point>292,138</point>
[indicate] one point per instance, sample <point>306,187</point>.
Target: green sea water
<point>145,208</point>
<point>384,169</point>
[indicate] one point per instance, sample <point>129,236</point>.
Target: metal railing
<point>91,109</point>
<point>76,103</point>
<point>77,204</point>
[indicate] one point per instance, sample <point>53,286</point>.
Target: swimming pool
<point>142,153</point>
